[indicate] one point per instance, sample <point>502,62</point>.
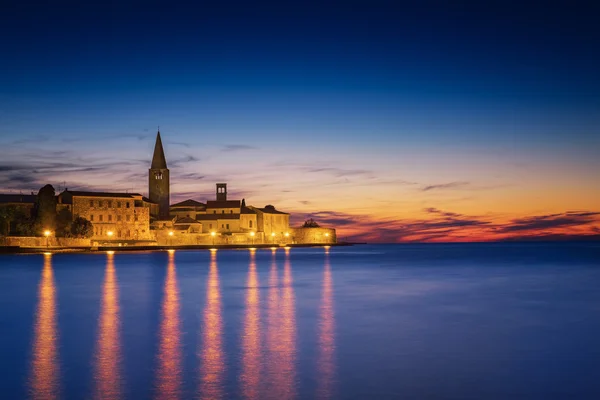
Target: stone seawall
<point>186,239</point>
<point>34,241</point>
<point>313,235</point>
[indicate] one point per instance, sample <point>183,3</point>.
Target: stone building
<point>22,202</point>
<point>115,216</point>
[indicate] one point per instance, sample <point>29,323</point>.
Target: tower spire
<point>158,159</point>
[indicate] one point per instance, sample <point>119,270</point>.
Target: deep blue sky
<point>377,95</point>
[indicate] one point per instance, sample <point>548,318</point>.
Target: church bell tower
<point>158,180</point>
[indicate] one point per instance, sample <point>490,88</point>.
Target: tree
<point>82,228</point>
<point>310,223</point>
<point>64,222</point>
<point>7,215</point>
<point>45,211</point>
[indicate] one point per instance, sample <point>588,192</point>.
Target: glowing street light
<point>272,237</point>
<point>170,238</point>
<point>213,237</point>
<point>109,233</point>
<point>171,233</point>
<point>252,235</point>
<point>47,233</point>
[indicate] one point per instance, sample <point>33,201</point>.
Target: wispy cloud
<point>567,219</point>
<point>444,186</point>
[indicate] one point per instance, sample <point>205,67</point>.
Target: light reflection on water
<point>212,365</point>
<point>45,371</point>
<point>251,351</point>
<point>168,376</point>
<point>326,362</point>
<point>108,378</point>
<point>287,337</point>
<point>479,321</point>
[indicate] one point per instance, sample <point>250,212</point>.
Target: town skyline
<point>390,123</point>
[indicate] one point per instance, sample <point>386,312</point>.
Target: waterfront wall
<point>313,235</point>
<point>184,238</point>
<point>34,241</point>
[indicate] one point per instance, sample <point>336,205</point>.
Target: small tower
<point>221,192</point>
<point>158,180</point>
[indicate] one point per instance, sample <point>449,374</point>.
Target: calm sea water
<point>468,321</point>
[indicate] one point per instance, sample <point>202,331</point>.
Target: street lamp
<point>47,233</point>
<point>213,237</point>
<point>252,235</point>
<point>273,237</point>
<point>171,238</point>
<point>109,233</point>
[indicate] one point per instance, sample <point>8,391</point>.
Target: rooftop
<point>223,204</point>
<point>18,198</point>
<point>188,203</point>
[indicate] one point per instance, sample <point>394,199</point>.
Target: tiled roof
<point>246,210</point>
<point>18,198</point>
<point>188,203</point>
<point>223,204</point>
<point>214,217</point>
<point>271,210</point>
<point>186,220</point>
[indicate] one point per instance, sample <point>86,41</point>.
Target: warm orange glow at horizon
<point>168,376</point>
<point>251,346</point>
<point>108,346</point>
<point>45,371</point>
<point>326,361</point>
<point>212,358</point>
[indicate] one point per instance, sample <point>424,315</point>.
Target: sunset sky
<point>387,122</point>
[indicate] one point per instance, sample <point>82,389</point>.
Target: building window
<point>214,211</point>
<point>222,211</point>
<point>118,218</point>
<point>230,211</point>
<point>110,203</point>
<point>128,233</point>
<point>128,218</point>
<point>227,226</point>
<point>209,226</point>
<point>127,204</point>
<point>250,224</point>
<point>91,217</point>
<point>135,218</point>
<point>119,234</point>
<point>118,204</point>
<point>100,217</point>
<point>91,203</point>
<point>110,218</point>
<point>100,203</point>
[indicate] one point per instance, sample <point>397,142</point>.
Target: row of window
<point>110,218</point>
<point>223,211</point>
<point>109,203</point>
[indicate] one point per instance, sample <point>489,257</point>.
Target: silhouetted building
<point>158,180</point>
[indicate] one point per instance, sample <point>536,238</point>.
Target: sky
<point>390,122</point>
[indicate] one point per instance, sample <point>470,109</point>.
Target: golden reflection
<point>212,357</point>
<point>281,332</point>
<point>44,380</point>
<point>168,378</point>
<point>108,346</point>
<point>251,368</point>
<point>326,362</point>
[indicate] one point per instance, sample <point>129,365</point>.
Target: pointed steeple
<point>158,160</point>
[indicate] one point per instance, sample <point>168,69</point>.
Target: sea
<point>405,321</point>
